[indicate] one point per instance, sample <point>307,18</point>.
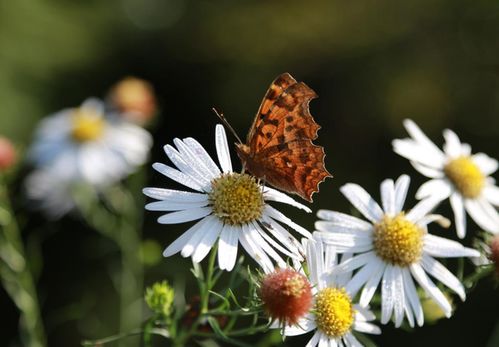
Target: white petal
<point>178,176</point>
<point>187,167</point>
<point>332,227</point>
<point>227,247</point>
<point>363,314</point>
<point>270,194</point>
<point>180,242</point>
<point>194,161</point>
<point>388,296</point>
<point>372,284</point>
<point>401,188</point>
<point>222,149</point>
<point>399,293</point>
<point>367,328</point>
<point>209,238</point>
<point>185,215</point>
<point>427,171</point>
<point>344,220</point>
<point>174,195</point>
<point>354,263</point>
<point>346,242</point>
<point>412,297</point>
<point>483,213</point>
<point>360,278</point>
<point>273,213</point>
<point>439,271</point>
<point>315,261</point>
<point>457,204</point>
<point>491,194</point>
<point>417,153</point>
<point>212,224</point>
<point>435,187</point>
<point>452,146</point>
<point>282,235</point>
<point>263,233</point>
<point>431,289</point>
<point>303,326</point>
<point>254,250</point>
<point>444,248</point>
<point>352,340</point>
<point>202,155</point>
<point>418,135</point>
<point>340,280</point>
<point>314,340</point>
<point>174,206</point>
<point>486,164</point>
<point>422,208</point>
<point>362,201</point>
<point>387,189</point>
<point>255,234</point>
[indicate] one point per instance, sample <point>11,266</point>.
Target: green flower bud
<point>159,298</point>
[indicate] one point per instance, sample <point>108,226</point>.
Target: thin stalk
<point>123,226</point>
<point>205,295</point>
<point>17,277</point>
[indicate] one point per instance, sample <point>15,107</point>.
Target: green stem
<point>122,225</point>
<point>17,277</point>
<point>118,337</point>
<point>205,295</point>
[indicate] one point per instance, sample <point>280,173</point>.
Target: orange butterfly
<point>279,146</point>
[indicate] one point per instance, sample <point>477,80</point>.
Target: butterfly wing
<point>279,147</point>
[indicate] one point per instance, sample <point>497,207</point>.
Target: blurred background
<point>372,63</point>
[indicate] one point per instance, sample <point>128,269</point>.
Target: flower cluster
<point>346,258</point>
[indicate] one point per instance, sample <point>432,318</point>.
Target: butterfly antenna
<point>227,125</point>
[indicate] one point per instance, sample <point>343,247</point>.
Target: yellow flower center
<point>397,240</point>
<point>237,199</point>
<point>466,176</point>
<point>87,126</point>
<point>334,312</point>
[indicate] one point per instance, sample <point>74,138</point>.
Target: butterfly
<point>279,148</point>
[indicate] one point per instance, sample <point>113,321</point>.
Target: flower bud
<point>7,154</point>
<point>135,100</point>
<point>286,295</point>
<point>494,252</point>
<point>159,298</point>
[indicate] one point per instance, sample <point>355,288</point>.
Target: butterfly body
<point>279,148</point>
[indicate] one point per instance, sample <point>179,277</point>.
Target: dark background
<point>372,63</point>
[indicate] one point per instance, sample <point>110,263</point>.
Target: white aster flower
<point>455,174</point>
<point>393,247</point>
<point>82,145</point>
<point>231,208</point>
<point>334,317</point>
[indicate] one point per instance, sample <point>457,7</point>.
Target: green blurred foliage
<point>372,63</point>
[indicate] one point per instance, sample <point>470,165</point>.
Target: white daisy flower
<point>393,247</point>
<point>231,208</point>
<point>334,317</point>
<point>455,174</point>
<point>82,145</point>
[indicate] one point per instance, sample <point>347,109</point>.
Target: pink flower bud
<point>286,295</point>
<point>7,154</point>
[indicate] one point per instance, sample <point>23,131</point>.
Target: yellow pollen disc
<point>237,199</point>
<point>397,240</point>
<point>466,176</point>
<point>87,126</point>
<point>334,313</point>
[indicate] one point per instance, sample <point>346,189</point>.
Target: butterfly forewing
<point>279,148</point>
